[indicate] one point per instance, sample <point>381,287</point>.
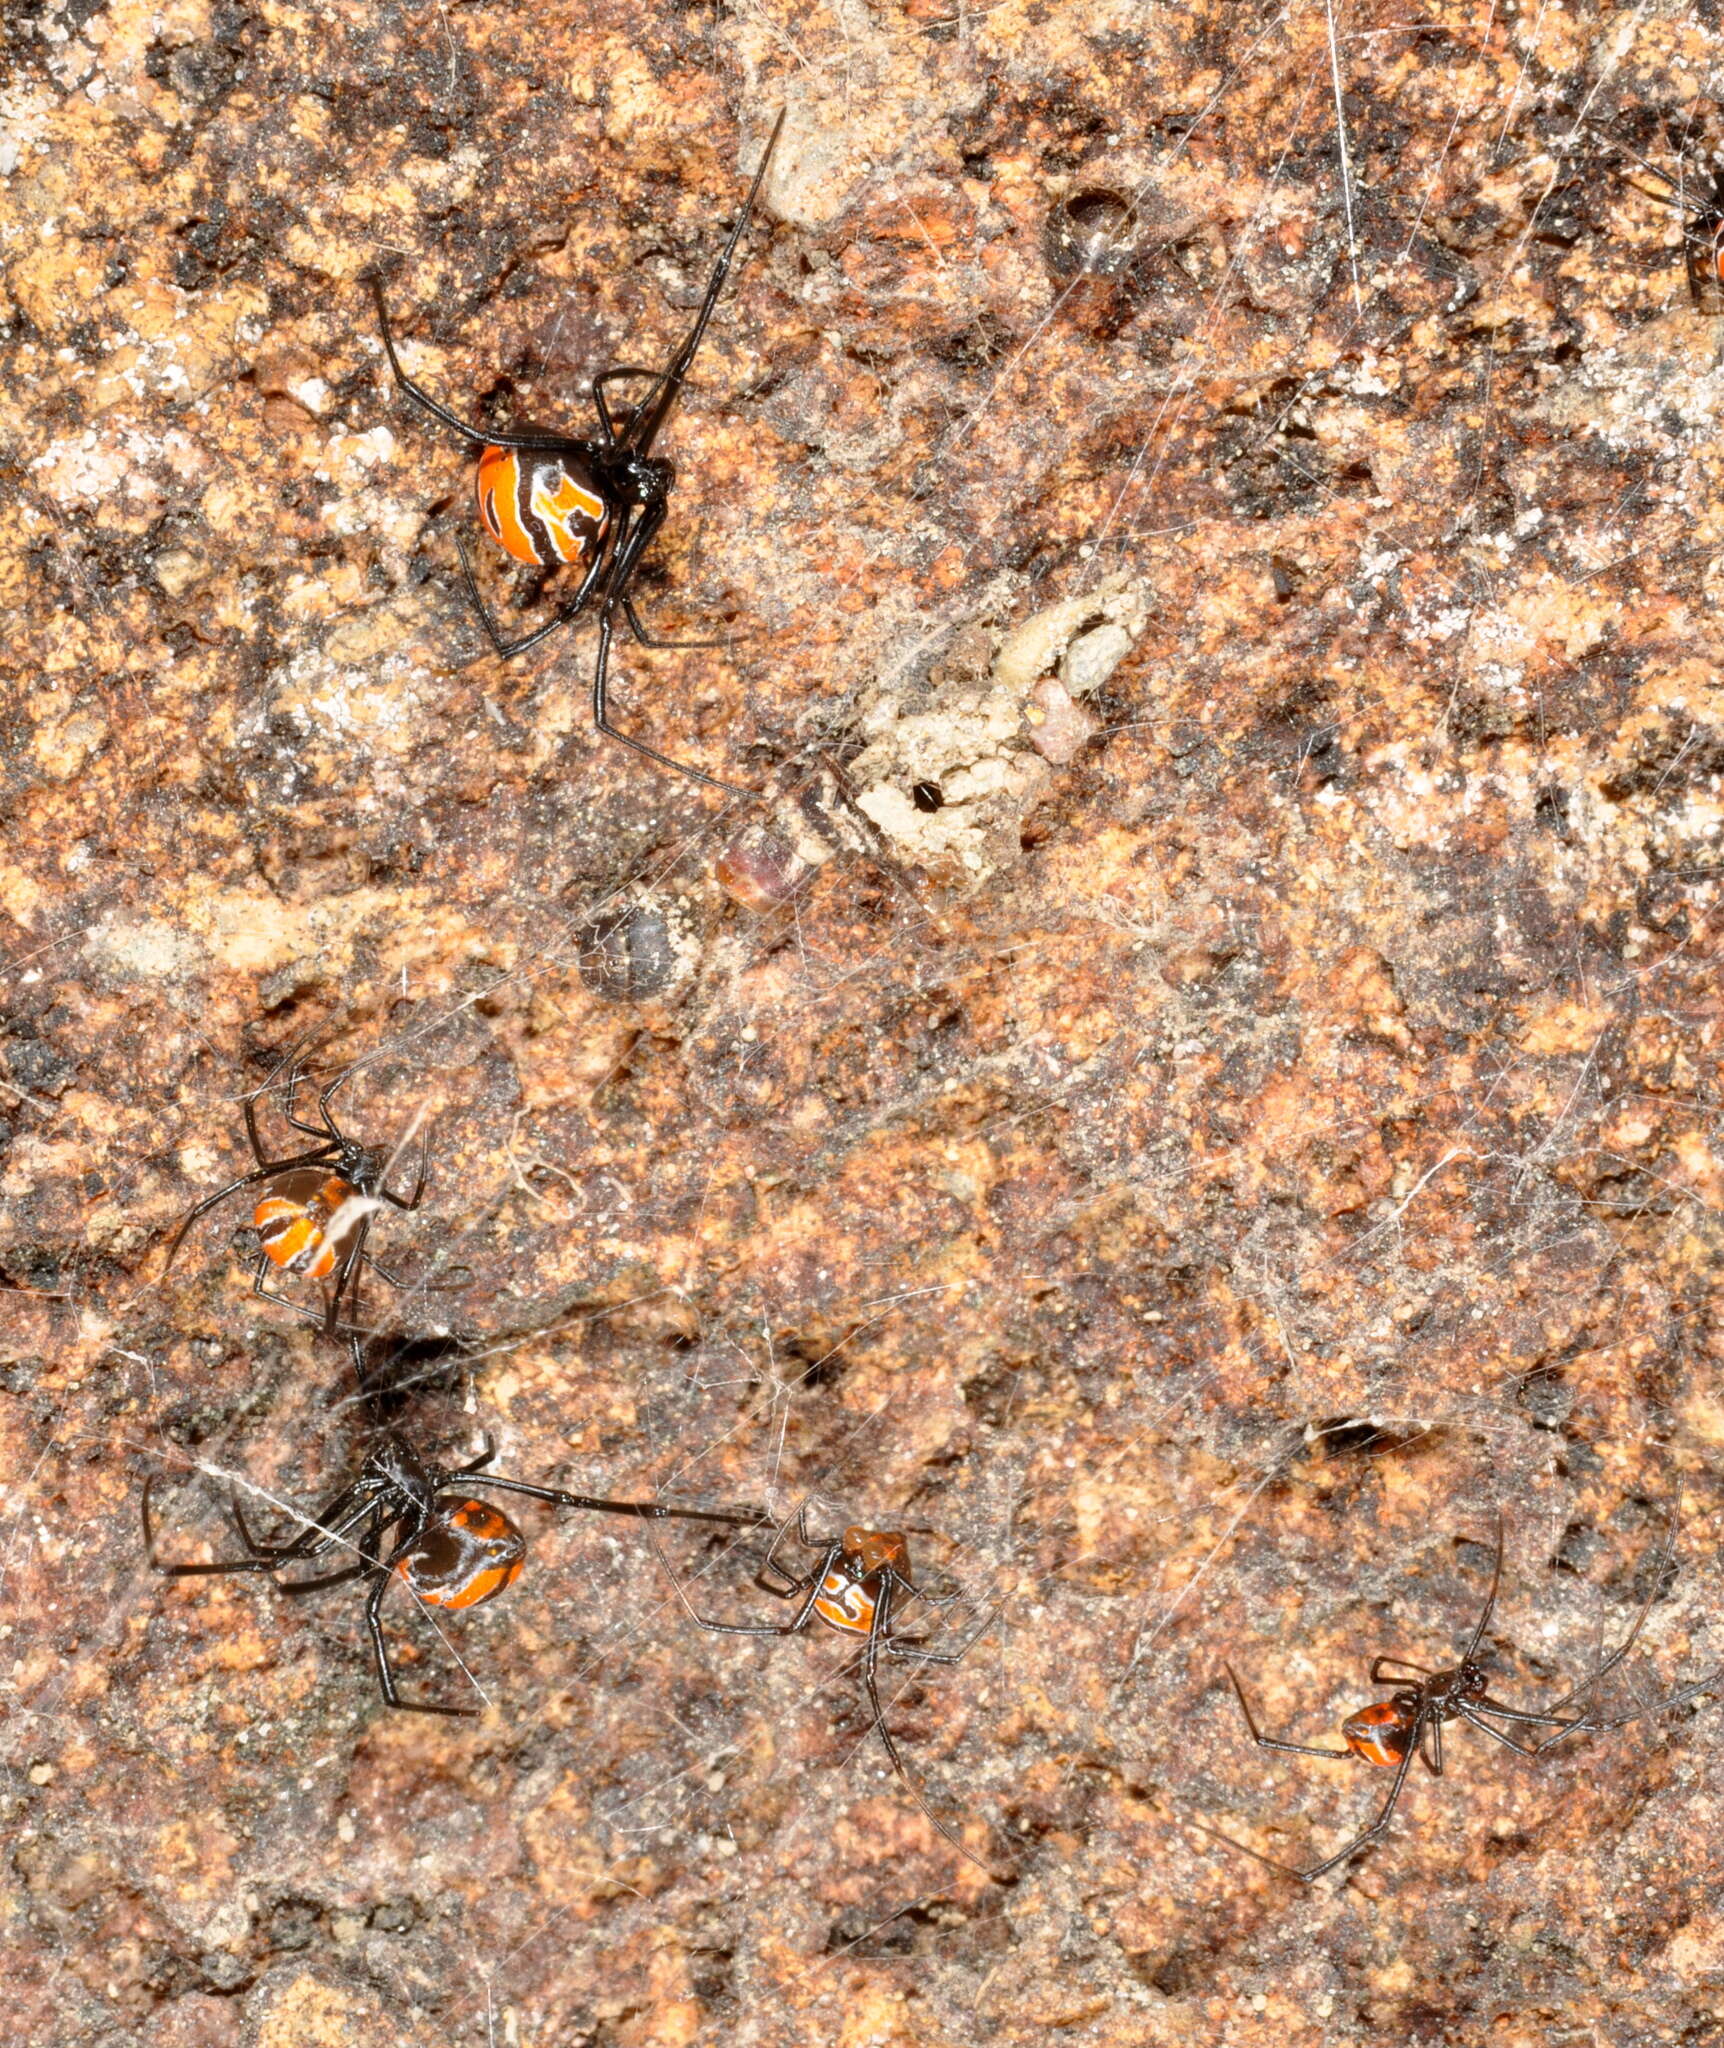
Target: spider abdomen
<point>543,508</point>
<point>292,1222</point>
<point>466,1554</point>
<point>1379,1734</point>
<point>847,1604</point>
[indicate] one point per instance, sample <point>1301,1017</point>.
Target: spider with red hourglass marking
<point>854,1587</point>
<point>550,499</point>
<point>1391,1733</point>
<point>314,1215</point>
<point>406,1520</point>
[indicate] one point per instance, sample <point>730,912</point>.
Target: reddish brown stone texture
<point>1299,1151</point>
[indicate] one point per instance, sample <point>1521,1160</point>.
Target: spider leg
<point>347,1274</point>
<point>260,1557</point>
<point>298,1308</point>
<point>1431,1746</point>
<point>645,426</point>
<point>647,639</point>
<point>564,613</point>
<point>878,1636</point>
<point>1712,1682</point>
<point>612,376</point>
<point>380,1653</point>
<point>1474,1719</point>
<point>1378,1827</point>
<point>484,438</point>
<point>413,1200</point>
<point>324,1527</point>
<point>1478,1634</point>
<point>267,1170</point>
<point>1545,1719</point>
<point>909,1648</point>
<point>1377,1664</point>
<point>1271,1742</point>
<point>639,1510</point>
<point>601,716</point>
<point>369,1547</point>
<point>809,1590</point>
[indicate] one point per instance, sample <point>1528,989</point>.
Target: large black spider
<point>406,1519</point>
<point>550,498</point>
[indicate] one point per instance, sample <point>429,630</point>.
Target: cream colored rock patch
<point>950,780</point>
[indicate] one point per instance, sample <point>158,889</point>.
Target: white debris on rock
<point>950,780</point>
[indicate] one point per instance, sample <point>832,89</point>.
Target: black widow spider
<point>853,1588</point>
<point>315,1215</point>
<point>550,498</point>
<point>1392,1732</point>
<point>406,1519</point>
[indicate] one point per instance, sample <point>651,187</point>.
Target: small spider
<point>1702,210</point>
<point>549,498</point>
<point>1391,1733</point>
<point>314,1216</point>
<point>405,1520</point>
<point>853,1587</point>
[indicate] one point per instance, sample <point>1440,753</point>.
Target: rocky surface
<point>1288,1146</point>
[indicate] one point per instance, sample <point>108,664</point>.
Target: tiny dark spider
<point>1392,1732</point>
<point>1702,210</point>
<point>314,1216</point>
<point>409,1520</point>
<point>853,1587</point>
<point>550,499</point>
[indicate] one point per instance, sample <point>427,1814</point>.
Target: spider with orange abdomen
<point>562,500</point>
<point>313,1216</point>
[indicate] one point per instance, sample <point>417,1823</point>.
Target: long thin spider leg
<point>810,1592</point>
<point>640,1511</point>
<point>1271,1742</point>
<point>650,417</point>
<point>870,1660</point>
<point>483,437</point>
<point>601,718</point>
<point>1476,1720</point>
<point>1378,1664</point>
<point>564,613</point>
<point>1384,1814</point>
<point>385,1675</point>
<point>615,375</point>
<point>1478,1634</point>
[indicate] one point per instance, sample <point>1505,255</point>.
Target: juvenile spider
<point>406,1520</point>
<point>1391,1733</point>
<point>314,1215</point>
<point>857,1581</point>
<point>549,498</point>
<point>1702,210</point>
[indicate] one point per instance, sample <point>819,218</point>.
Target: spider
<point>314,1215</point>
<point>1391,1733</point>
<point>406,1519</point>
<point>549,498</point>
<point>1702,230</point>
<point>853,1587</point>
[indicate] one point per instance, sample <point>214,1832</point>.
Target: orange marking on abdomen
<point>482,1586</point>
<point>562,510</point>
<point>499,484</point>
<point>1378,1734</point>
<point>291,1238</point>
<point>843,1604</point>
